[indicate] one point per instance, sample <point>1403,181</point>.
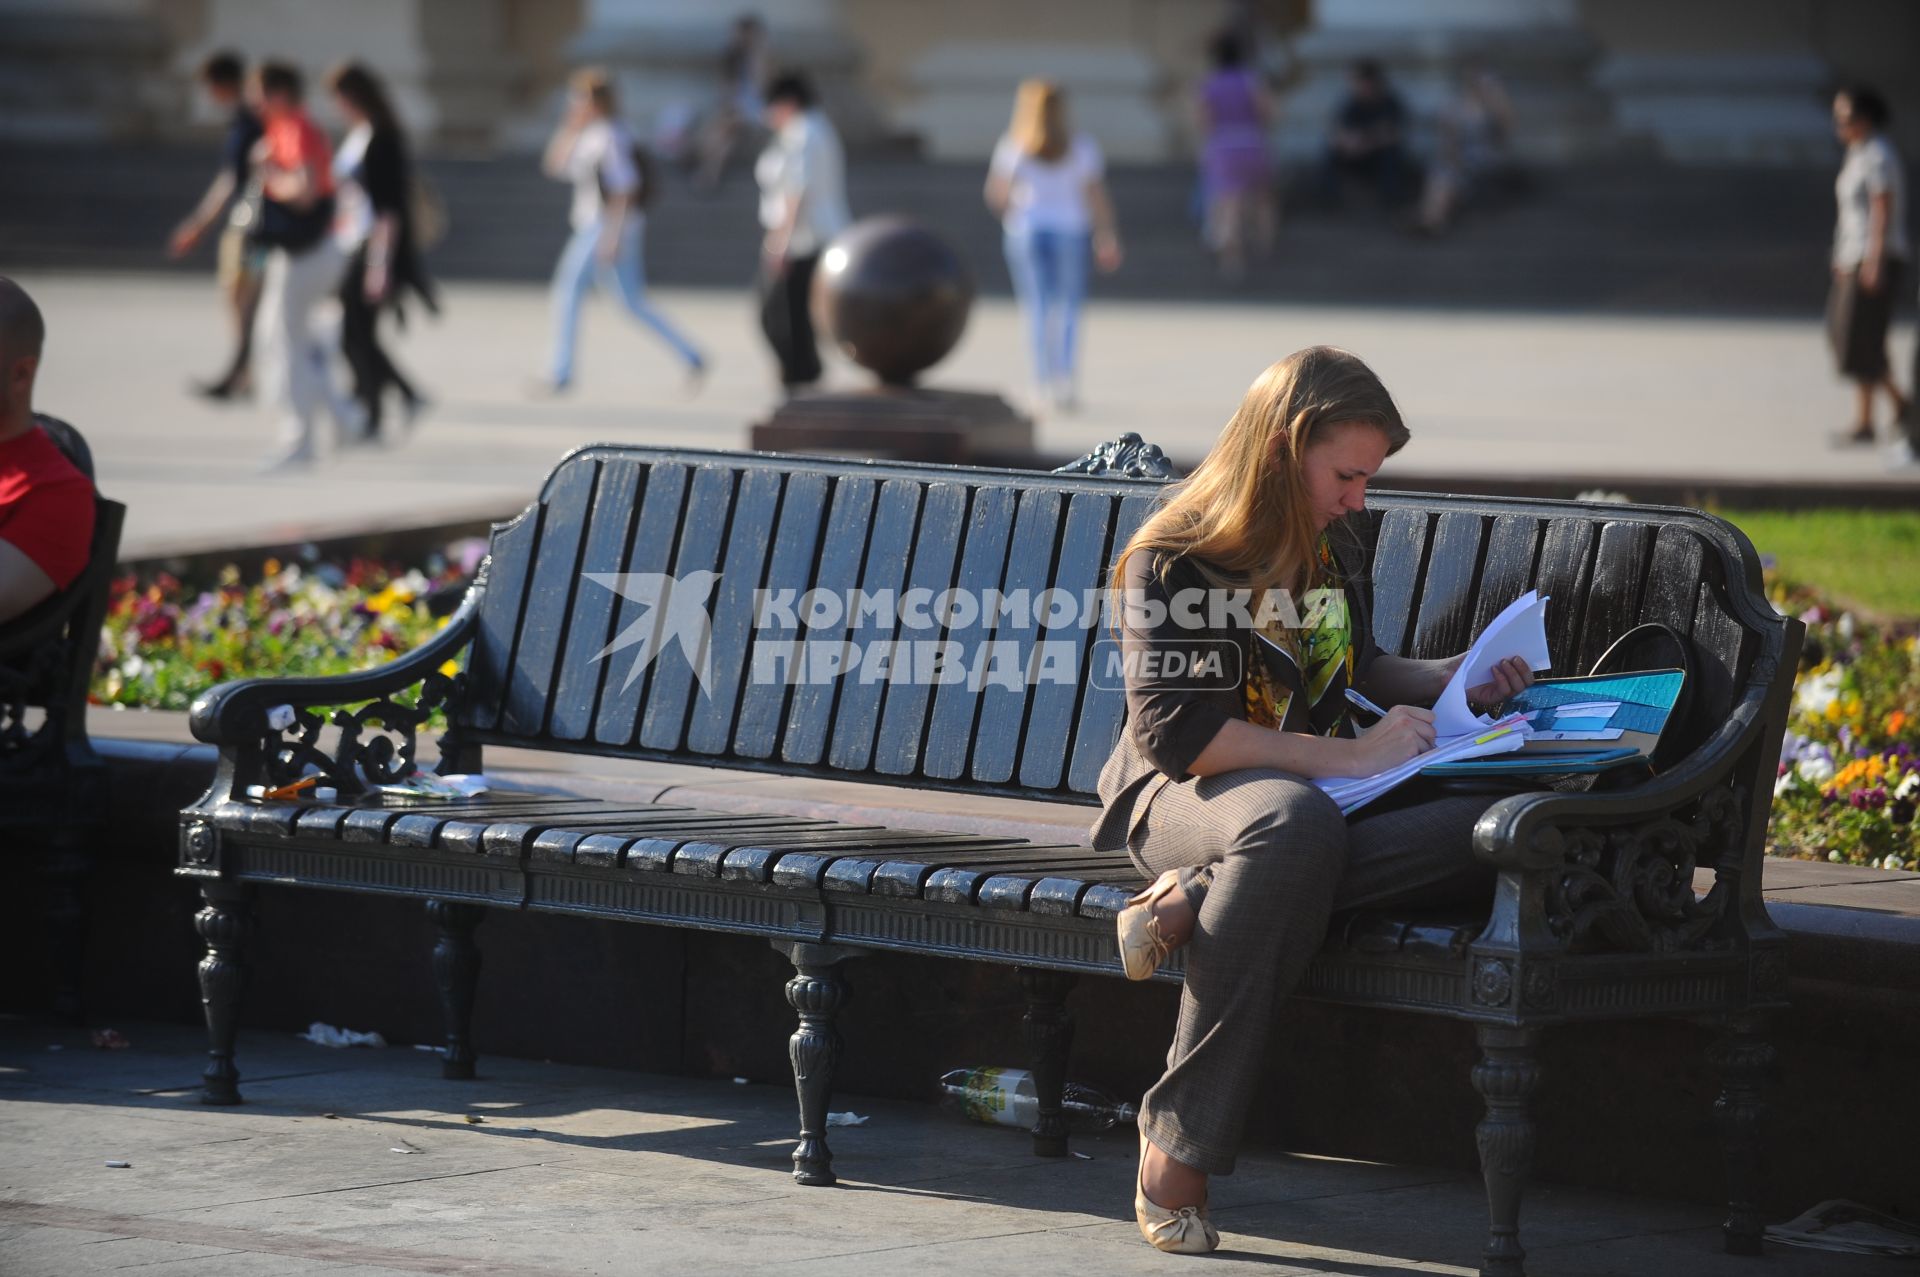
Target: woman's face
<point>1336,467</point>
<point>1847,126</point>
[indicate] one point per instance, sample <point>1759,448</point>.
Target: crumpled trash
<point>474,1121</point>
<point>431,786</point>
<point>328,1035</point>
<point>404,1147</point>
<point>847,1119</point>
<point>115,1164</point>
<point>110,1040</point>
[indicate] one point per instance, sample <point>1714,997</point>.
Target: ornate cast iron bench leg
<point>817,991</point>
<point>223,924</point>
<point>1049,1031</point>
<point>456,969</point>
<point>1745,1058</point>
<point>1505,1077</point>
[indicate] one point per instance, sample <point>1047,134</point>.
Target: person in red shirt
<point>304,263</point>
<point>46,503</point>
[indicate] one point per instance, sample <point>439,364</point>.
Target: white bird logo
<point>673,609</point>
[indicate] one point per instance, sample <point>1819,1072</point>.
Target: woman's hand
<point>1106,251</point>
<point>1510,677</point>
<point>1407,730</point>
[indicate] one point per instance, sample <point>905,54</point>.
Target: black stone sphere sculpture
<point>893,296</point>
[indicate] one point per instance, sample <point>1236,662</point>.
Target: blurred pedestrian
<point>735,118</point>
<point>803,205</point>
<point>1047,185</point>
<point>223,77</point>
<point>613,181</point>
<point>1474,132</point>
<point>374,228</point>
<point>303,268</point>
<point>1369,137</point>
<point>1871,255</point>
<point>1236,165</point>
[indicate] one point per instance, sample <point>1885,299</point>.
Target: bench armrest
<point>1527,831</point>
<point>268,732</point>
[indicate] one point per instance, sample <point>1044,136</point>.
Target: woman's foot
<point>1179,1229</point>
<point>1155,923</point>
<point>1861,436</point>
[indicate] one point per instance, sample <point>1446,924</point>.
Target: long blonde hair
<point>1243,514</point>
<point>1040,120</point>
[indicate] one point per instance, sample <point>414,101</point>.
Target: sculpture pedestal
<point>900,423</point>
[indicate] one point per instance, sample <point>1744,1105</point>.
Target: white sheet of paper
<point>1520,630</point>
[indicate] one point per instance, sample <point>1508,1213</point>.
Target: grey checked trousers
<point>1267,859</point>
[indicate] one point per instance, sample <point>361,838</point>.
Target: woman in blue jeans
<point>591,150</point>
<point>1048,187</point>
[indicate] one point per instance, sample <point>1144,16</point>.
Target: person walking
<point>374,228</point>
<point>611,187</point>
<point>223,77</point>
<point>802,175</point>
<point>1208,790</point>
<point>1047,186</point>
<point>1236,166</point>
<point>1871,255</point>
<point>303,267</point>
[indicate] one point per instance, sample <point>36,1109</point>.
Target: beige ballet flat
<point>1142,947</point>
<point>1186,1231</point>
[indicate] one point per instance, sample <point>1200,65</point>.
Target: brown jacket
<point>1176,706</point>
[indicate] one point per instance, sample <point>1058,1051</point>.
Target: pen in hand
<point>1362,702</point>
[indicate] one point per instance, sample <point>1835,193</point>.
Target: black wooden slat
<point>511,563</point>
<point>1003,707</point>
<point>764,699</point>
<point>1398,559</point>
<point>1507,572</point>
<point>733,609</point>
<point>1566,560</point>
<point>650,551</point>
<point>856,720</point>
<point>842,552</point>
<point>1104,705</point>
<point>982,563</point>
<point>709,506</point>
<point>1080,573</point>
<point>578,686</point>
<point>1673,580</point>
<point>936,547</point>
<point>550,594</point>
<point>1445,624</point>
<point>1723,650</point>
<point>1613,601</point>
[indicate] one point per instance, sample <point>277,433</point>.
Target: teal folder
<point>1646,700</point>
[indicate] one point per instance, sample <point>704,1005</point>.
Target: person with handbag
<point>303,265</point>
<point>598,156</point>
<point>1209,786</point>
<point>374,176</point>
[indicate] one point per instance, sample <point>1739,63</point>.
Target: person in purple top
<point>1236,166</point>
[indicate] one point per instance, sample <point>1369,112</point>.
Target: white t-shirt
<point>1047,196</point>
<point>1871,168</point>
<point>804,162</point>
<point>602,155</point>
<point>353,211</point>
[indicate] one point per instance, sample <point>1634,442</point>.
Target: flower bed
<point>1849,776</point>
<point>166,641</point>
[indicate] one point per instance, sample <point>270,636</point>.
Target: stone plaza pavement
<point>365,1161</point>
<point>1487,394</point>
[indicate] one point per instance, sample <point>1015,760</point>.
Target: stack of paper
<point>1459,733</point>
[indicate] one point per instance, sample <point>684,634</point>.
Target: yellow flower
<point>450,668</point>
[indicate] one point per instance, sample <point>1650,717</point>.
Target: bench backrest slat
<point>557,655</point>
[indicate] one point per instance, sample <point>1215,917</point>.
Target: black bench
<point>1594,916</point>
<point>53,787</point>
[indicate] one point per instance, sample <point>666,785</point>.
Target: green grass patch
<point>1867,560</point>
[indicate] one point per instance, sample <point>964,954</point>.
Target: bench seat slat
<point>710,730</point>
<point>856,718</point>
<point>936,549</point>
<point>763,703</point>
<point>709,507</point>
<point>582,671</point>
<point>662,500</point>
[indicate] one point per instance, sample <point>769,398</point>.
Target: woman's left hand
<point>1106,252</point>
<point>1510,677</point>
